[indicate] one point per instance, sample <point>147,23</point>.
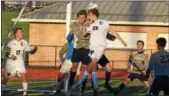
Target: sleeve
<point>106,25</point>
<point>63,51</point>
<point>72,29</point>
<point>110,37</point>
<point>89,29</point>
<point>8,49</point>
<point>151,64</point>
<point>146,61</point>
<point>70,37</point>
<point>130,60</point>
<point>27,47</point>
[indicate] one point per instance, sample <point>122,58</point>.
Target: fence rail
<point>52,59</point>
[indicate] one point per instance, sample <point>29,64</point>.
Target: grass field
<point>7,24</point>
<point>135,88</point>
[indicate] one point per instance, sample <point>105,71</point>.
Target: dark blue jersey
<point>159,63</point>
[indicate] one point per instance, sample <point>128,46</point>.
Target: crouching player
<point>159,64</point>
<point>137,66</point>
<point>15,65</point>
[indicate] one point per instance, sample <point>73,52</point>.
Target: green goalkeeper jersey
<point>140,60</point>
<point>81,41</point>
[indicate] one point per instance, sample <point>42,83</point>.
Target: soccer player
<point>65,57</point>
<point>98,32</point>
<point>15,65</point>
<point>138,62</point>
<point>82,50</point>
<point>159,64</point>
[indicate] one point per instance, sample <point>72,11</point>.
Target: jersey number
<point>164,59</point>
<point>95,28</point>
<point>18,52</point>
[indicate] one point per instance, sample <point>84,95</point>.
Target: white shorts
<point>15,66</point>
<point>97,51</point>
<point>66,66</point>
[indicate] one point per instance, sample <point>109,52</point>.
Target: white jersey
<point>17,48</point>
<point>98,31</point>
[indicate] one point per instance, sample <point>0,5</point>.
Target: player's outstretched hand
<point>35,48</point>
<point>13,57</point>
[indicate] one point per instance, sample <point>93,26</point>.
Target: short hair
<point>82,12</point>
<point>16,29</point>
<point>94,11</point>
<point>140,41</point>
<point>161,41</point>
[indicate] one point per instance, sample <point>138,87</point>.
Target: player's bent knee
<point>127,81</point>
<point>108,67</point>
<point>24,77</point>
<point>146,84</point>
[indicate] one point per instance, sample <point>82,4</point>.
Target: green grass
<point>135,88</point>
<point>7,23</point>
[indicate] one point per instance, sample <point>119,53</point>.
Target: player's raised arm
<point>117,36</point>
<point>29,49</point>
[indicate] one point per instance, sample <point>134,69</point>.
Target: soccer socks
<point>107,77</point>
<point>25,88</point>
<point>3,87</point>
<point>59,85</point>
<point>71,80</point>
<point>84,85</point>
<point>82,79</point>
<point>121,86</point>
<point>94,80</point>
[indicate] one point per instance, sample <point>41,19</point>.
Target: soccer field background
<point>136,88</point>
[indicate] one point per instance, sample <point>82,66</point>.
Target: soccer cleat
<point>108,87</point>
<point>25,93</point>
<point>82,90</point>
<point>59,93</point>
<point>116,91</point>
<point>95,92</point>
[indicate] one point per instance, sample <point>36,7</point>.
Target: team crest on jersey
<point>22,44</point>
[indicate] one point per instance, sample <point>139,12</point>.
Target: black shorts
<point>159,83</point>
<point>81,55</point>
<point>141,77</point>
<point>103,61</point>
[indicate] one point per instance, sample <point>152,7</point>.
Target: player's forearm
<point>34,50</point>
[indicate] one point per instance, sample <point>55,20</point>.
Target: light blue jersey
<point>159,63</point>
<point>70,39</point>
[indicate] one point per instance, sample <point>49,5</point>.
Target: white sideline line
<point>13,82</point>
<point>30,90</point>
